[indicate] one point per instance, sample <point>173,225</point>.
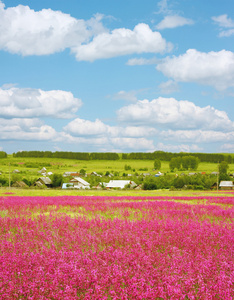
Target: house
<point>159,174</point>
<point>96,174</point>
<point>19,184</point>
<point>120,184</point>
<point>79,183</point>
<point>43,181</point>
<point>226,185</point>
<point>145,174</point>
<point>43,170</point>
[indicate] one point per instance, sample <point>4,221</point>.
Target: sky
<point>117,76</point>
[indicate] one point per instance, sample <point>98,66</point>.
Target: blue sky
<point>122,76</point>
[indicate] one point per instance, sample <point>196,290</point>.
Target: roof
<point>19,184</point>
<point>80,180</point>
<point>120,183</point>
<point>226,184</point>
<point>45,180</point>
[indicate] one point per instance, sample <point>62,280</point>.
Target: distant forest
<point>160,155</point>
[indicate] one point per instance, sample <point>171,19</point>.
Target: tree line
<point>157,155</point>
<point>69,155</point>
<point>167,156</point>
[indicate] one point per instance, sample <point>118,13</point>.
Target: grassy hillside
<point>31,166</point>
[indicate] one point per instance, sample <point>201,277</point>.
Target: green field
<point>101,166</point>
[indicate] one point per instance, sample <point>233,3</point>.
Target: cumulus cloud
<point>27,103</point>
<point>173,22</point>
<point>213,68</point>
<point>80,128</point>
<point>198,136</point>
<point>226,25</point>
<point>133,143</point>
<point>122,41</point>
<point>28,32</point>
<point>167,112</point>
<point>178,148</point>
<point>26,129</point>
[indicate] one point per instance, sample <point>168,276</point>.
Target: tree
<point>82,172</point>
<point>175,163</point>
<point>157,164</point>
<point>57,180</point>
<point>223,167</point>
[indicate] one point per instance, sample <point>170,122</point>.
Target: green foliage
<point>127,167</point>
<point>3,154</point>
<point>186,162</point>
<point>157,164</point>
<point>82,172</point>
<point>223,167</point>
<point>175,163</point>
<point>57,180</point>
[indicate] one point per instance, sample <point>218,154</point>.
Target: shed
<point>226,185</point>
<point>120,184</point>
<point>19,184</point>
<point>79,183</point>
<point>43,181</point>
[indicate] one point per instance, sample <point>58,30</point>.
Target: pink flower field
<point>80,247</point>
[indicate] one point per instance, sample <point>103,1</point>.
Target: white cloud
<point>27,32</point>
<point>167,112</point>
<point>173,22</point>
<point>178,148</point>
<point>26,129</point>
<point>227,148</point>
<point>163,7</point>
<point>198,136</point>
<point>169,87</point>
<point>224,22</point>
<point>213,68</point>
<point>86,128</point>
<point>128,96</point>
<point>80,127</point>
<point>120,42</point>
<point>27,103</point>
<point>142,61</point>
<point>133,143</point>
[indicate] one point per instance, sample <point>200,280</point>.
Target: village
<point>82,181</point>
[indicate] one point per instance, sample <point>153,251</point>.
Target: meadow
<point>30,166</point>
<point>113,245</point>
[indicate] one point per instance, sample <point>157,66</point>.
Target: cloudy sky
<point>124,76</point>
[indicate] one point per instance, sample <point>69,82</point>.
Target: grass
<point>5,192</point>
<point>62,165</point>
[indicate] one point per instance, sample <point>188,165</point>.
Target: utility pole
<point>218,178</point>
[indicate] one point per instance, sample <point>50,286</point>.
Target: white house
<point>120,184</point>
<point>226,185</point>
<point>79,183</point>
